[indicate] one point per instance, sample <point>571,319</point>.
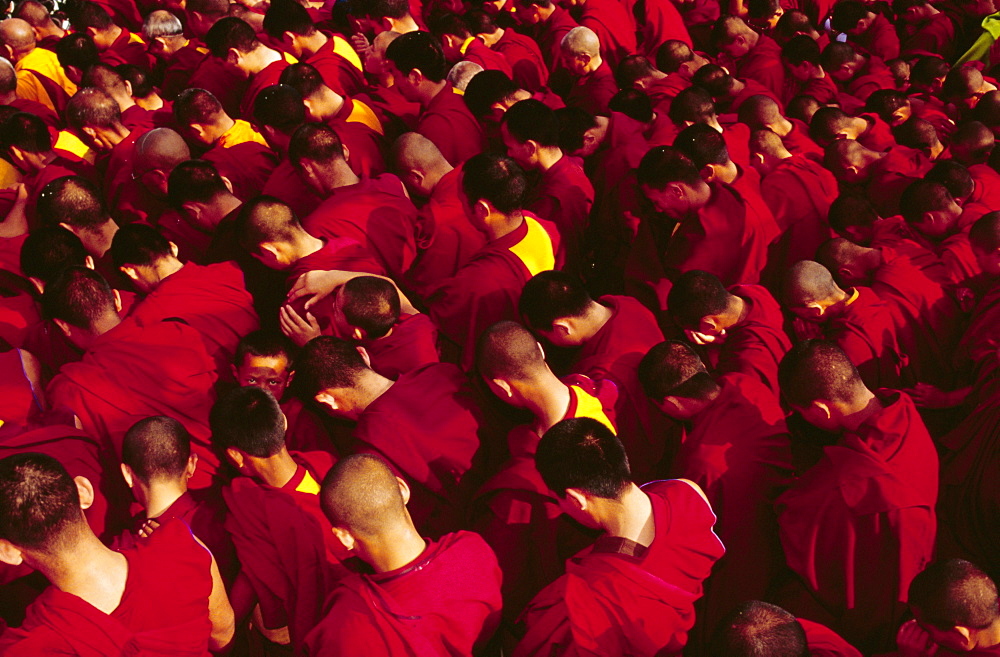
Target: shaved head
<point>972,143</point>
<point>694,295</point>
<point>954,593</point>
<point>816,370</point>
<point>265,219</point>
<point>414,151</point>
<point>672,368</point>
<point>8,77</point>
<point>581,41</point>
<point>808,282</point>
<point>34,13</point>
<point>157,448</point>
<point>17,34</point>
<point>160,148</point>
<point>509,351</point>
<point>767,143</point>
<point>361,494</point>
<point>843,154</point>
<point>759,111</point>
<point>839,252</point>
<point>39,503</point>
<point>759,629</point>
<point>462,73</point>
<point>985,233</point>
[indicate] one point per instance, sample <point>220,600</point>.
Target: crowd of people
<point>514,327</point>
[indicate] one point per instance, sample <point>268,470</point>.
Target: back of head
<point>421,51</point>
<point>826,124</point>
<point>954,176</point>
<point>34,13</point>
<point>792,23</point>
<point>208,8</point>
<point>26,132</point>
<point>532,120</point>
<point>714,79</point>
<point>961,82</point>
<point>664,165</point>
<point>83,15</point>
<point>954,593</point>
<point>248,419</point>
<point>581,41</point>
<point>510,352</point>
<point>287,16</point>
<point>162,23</point>
<point>632,103</point>
<point>379,9</point>
<point>885,102</point>
<point>264,344</point>
<point>672,368</point>
<point>838,252</point>
<point>8,77</point>
<point>329,363</point>
<point>315,142</point>
<point>92,108</point>
<point>195,181</point>
<point>480,22</point>
<point>801,49</point>
<point>765,142</point>
<point>987,110</point>
<point>371,304</point>
<point>496,179</point>
<point>487,89</point>
<point>850,210</point>
<point>361,494</point>
<point>412,150</point>
<point>759,111</point>
<point>77,49</point>
<point>815,370</point>
<point>303,78</point>
<point>672,55</point>
<point>802,107</point>
<point>17,34</point>
<point>759,629</point>
<point>985,233</point>
<point>846,14</point>
<point>836,54</point>
<point>106,78</point>
<point>157,448</point>
<point>694,295</point>
<point>927,70</point>
<point>197,106</point>
<point>916,133</point>
<point>972,142</point>
<point>73,201</point>
<point>140,78</point>
<point>263,220</point>
<point>842,154</point>
<point>632,69</point>
<point>574,122</point>
<point>139,245</point>
<point>584,454</point>
<point>280,107</point>
<point>921,197</point>
<point>461,74</point>
<point>693,104</point>
<point>703,144</point>
<point>447,23</point>
<point>727,28</point>
<point>39,503</point>
<point>160,148</point>
<point>50,250</point>
<point>80,297</point>
<point>231,33</point>
<point>552,295</point>
<point>807,282</point>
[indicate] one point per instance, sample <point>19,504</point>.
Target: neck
<point>782,127</point>
<point>7,99</point>
<point>752,38</point>
<point>277,470</point>
<point>396,549</point>
<point>862,407</point>
<point>818,73</point>
<point>118,133</point>
<point>838,303</point>
<point>404,24</point>
<point>113,33</point>
<point>372,386</point>
<point>152,102</point>
<point>490,39</point>
<point>312,43</point>
<point>90,571</point>
<point>726,173</point>
<point>431,91</point>
<point>548,399</point>
<point>261,58</point>
<point>223,205</point>
<point>500,228</point>
<point>736,311</point>
<point>596,317</point>
<point>161,495</point>
<point>631,516</point>
<point>330,103</point>
<point>223,125</point>
<point>306,245</point>
<point>166,267</point>
<point>548,156</point>
<point>338,174</point>
<point>434,175</point>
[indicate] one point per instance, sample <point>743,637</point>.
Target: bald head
<point>8,78</point>
<point>673,369</point>
<point>160,148</point>
<point>462,73</point>
<point>266,220</point>
<point>34,13</point>
<point>759,111</point>
<point>510,352</point>
<point>17,34</point>
<point>360,494</point>
<point>765,142</point>
<point>816,370</point>
<point>157,448</point>
<point>847,159</point>
<point>954,593</point>
<point>985,233</point>
<point>414,151</point>
<point>808,282</point>
<point>581,41</point>
<point>972,143</point>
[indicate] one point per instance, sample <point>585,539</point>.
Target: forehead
<point>264,365</point>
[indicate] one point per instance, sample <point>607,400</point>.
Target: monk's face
<point>522,153</point>
<point>989,261</point>
<point>670,201</point>
<point>265,372</point>
<point>736,47</point>
<point>937,224</point>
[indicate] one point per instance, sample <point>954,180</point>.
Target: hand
<point>317,285</point>
<point>913,641</point>
<point>925,395</point>
<point>361,46</point>
<point>298,330</point>
<point>149,527</point>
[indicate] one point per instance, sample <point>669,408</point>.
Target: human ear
<point>86,491</point>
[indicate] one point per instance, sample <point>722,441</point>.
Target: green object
<point>980,50</point>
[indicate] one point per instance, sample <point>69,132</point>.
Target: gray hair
<point>161,23</point>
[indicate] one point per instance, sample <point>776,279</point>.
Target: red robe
<point>824,642</point>
<point>411,345</point>
<point>366,147</point>
<point>130,373</point>
<point>446,239</point>
<point>57,168</point>
<point>874,75</point>
<point>935,36</point>
<point>594,91</point>
<point>211,299</point>
<point>247,165</point>
<point>880,39</point>
<point>266,77</point>
<point>622,598</point>
<point>479,53</point>
<point>798,141</point>
<point>446,601</point>
<point>17,398</point>
<point>892,174</point>
<point>427,426</point>
<point>375,213</point>
<point>307,429</point>
<point>448,123</point>
<point>286,185</point>
<point>860,524</point>
<point>549,35</point>
<point>224,81</point>
<point>486,290</point>
<point>824,90</point>
<point>157,615</point>
<point>763,64</point>
<point>286,546</point>
<point>565,197</point>
<point>614,27</point>
<point>987,189</point>
<point>338,73</point>
<point>525,59</point>
<point>127,49</point>
<point>41,111</point>
<point>659,21</point>
<point>179,68</point>
<point>397,114</point>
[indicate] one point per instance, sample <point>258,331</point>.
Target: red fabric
<point>41,111</point>
<point>549,35</point>
<point>478,52</point>
<point>763,64</point>
<point>337,72</point>
<point>411,344</point>
<point>211,299</point>
<point>130,373</point>
<point>426,425</point>
<point>565,197</point>
<point>157,615</point>
<point>126,51</point>
<point>286,185</point>
<point>799,192</point>
<point>57,168</point>
<point>987,185</point>
<point>659,22</point>
<point>874,75</point>
<point>525,59</point>
<point>19,310</point>
<point>446,601</point>
<point>878,135</point>
<point>306,430</point>
<point>892,175</point>
<point>248,166</point>
<point>737,138</point>
<point>224,81</point>
<point>978,347</point>
<point>798,141</point>
<point>446,239</point>
<point>751,88</point>
<point>266,77</point>
<point>365,146</point>
<point>17,398</point>
<point>609,603</point>
<point>880,39</point>
<point>286,547</point>
<point>375,213</point>
<point>397,114</point>
<point>614,28</point>
<point>824,642</point>
<point>448,123</point>
<point>594,91</point>
<point>935,36</point>
<point>860,524</point>
<point>179,68</point>
<point>823,90</point>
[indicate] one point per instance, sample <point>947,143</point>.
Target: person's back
<point>420,597</point>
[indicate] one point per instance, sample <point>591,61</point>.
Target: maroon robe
<point>987,185</point>
<point>366,147</point>
<point>446,601</point>
<point>180,67</point>
<point>125,50</point>
<point>872,76</point>
<point>306,431</point>
<point>799,192</point>
<point>934,36</point>
<point>157,615</point>
<point>565,197</point>
<point>479,53</point>
<point>224,81</point>
<point>763,64</point>
<point>892,174</point>
<point>247,165</point>
<point>614,28</point>
<point>411,345</point>
<point>824,642</point>
<point>659,21</point>
<point>880,39</point>
<point>798,141</point>
<point>338,73</point>
<point>525,60</point>
<point>448,123</point>
<point>375,213</point>
<point>549,35</point>
<point>130,373</point>
<point>859,524</point>
<point>17,398</point>
<point>593,92</point>
<point>266,77</point>
<point>286,185</point>
<point>397,114</point>
<point>43,112</point>
<point>57,168</point>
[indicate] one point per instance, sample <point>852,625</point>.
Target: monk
<point>756,56</point>
<point>829,536</point>
<point>40,77</point>
<point>740,329</point>
<point>933,215</point>
<point>102,601</point>
<point>47,31</point>
<point>593,81</point>
<point>608,337</point>
<point>157,464</point>
<point>638,72</point>
<point>156,154</point>
<point>737,449</point>
<point>212,74</point>
<point>234,41</point>
<point>695,105</point>
<point>799,192</point>
<point>637,584</point>
<point>211,299</point>
<point>881,176</point>
<point>116,44</point>
<point>128,372</point>
<point>289,556</point>
<point>461,45</point>
<point>205,204</point>
<point>426,423</point>
<point>807,76</point>
<point>419,67</point>
<point>517,513</point>
<point>858,75</point>
<point>762,112</point>
<point>870,30</point>
<point>855,319</point>
<point>177,56</point>
<point>368,310</point>
<point>756,628</point>
<point>831,123</point>
<point>446,239</point>
<point>563,195</point>
<point>972,145</point>
<point>419,596</point>
<point>234,147</point>
<point>549,23</point>
<point>521,51</point>
<point>8,94</point>
<point>728,91</point>
<point>374,212</point>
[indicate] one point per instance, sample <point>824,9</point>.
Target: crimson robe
<point>977,348</point>
<point>158,615</point>
<point>871,77</point>
<point>892,174</point>
<point>375,213</point>
<point>659,21</point>
<point>180,67</point>
<point>286,185</point>
<point>824,642</point>
<point>763,64</point>
<point>593,91</point>
<point>212,299</point>
<point>934,36</point>
<point>878,135</point>
<point>565,197</point>
<point>128,49</point>
<point>266,77</point>
<point>987,185</point>
<point>338,72</point>
<point>525,60</point>
<point>549,35</point>
<point>397,114</point>
<point>247,165</point>
<point>307,430</point>
<point>859,524</point>
<point>798,141</point>
<point>43,112</point>
<point>623,598</point>
<point>132,372</point>
<point>614,27</point>
<point>365,146</point>
<point>799,192</point>
<point>17,397</point>
<point>19,310</point>
<point>427,426</point>
<point>448,123</point>
<point>479,53</point>
<point>57,168</point>
<point>880,39</point>
<point>411,345</point>
<point>224,81</point>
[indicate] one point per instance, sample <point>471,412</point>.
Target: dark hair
<point>495,178</point>
<point>371,304</point>
<point>280,107</point>
<point>418,50</point>
<point>800,49</point>
<point>632,103</point>
<point>486,89</point>
<point>27,132</point>
<point>77,49</point>
<point>552,295</point>
<point>664,165</point>
<point>74,201</point>
<point>303,78</point>
<point>264,344</point>
<point>954,593</point>
<point>532,120</point>
<point>316,142</point>
<point>574,122</point>
<point>703,144</point>
<point>250,420</point>
<point>696,294</point>
<point>38,500</point>
<point>328,362</point>
<point>49,250</point>
<point>584,454</point>
<point>672,368</point>
<point>230,33</point>
<point>287,16</point>
<point>194,181</point>
<point>847,13</point>
<point>78,296</point>
<point>157,447</point>
<point>139,77</point>
<point>196,106</point>
<point>759,629</point>
<point>138,245</point>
